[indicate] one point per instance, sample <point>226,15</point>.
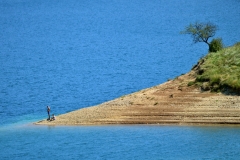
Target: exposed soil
<point>173,102</point>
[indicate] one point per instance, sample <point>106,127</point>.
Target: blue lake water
<point>120,142</point>
<point>71,54</point>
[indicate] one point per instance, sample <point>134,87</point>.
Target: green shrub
<point>202,79</point>
<point>191,83</point>
<point>215,79</point>
<point>216,45</point>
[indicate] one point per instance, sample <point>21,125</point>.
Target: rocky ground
<point>173,102</point>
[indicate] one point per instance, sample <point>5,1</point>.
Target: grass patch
<point>221,69</point>
<point>191,83</point>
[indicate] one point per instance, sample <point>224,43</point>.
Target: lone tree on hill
<point>201,32</point>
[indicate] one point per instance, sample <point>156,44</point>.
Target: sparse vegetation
<point>220,71</point>
<point>191,83</point>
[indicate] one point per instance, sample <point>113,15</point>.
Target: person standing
<point>48,111</point>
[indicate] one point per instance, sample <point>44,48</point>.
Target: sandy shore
<point>172,102</point>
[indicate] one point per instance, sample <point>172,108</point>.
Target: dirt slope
<point>172,102</point>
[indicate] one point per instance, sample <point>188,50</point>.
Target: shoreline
<point>170,103</point>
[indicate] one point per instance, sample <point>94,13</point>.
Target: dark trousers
<point>48,115</point>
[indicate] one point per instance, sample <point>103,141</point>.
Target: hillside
<point>220,72</point>
<point>188,99</point>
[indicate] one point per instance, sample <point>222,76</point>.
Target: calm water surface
<point>71,54</point>
<point>121,142</point>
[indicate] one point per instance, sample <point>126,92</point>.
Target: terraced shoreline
<point>173,102</point>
